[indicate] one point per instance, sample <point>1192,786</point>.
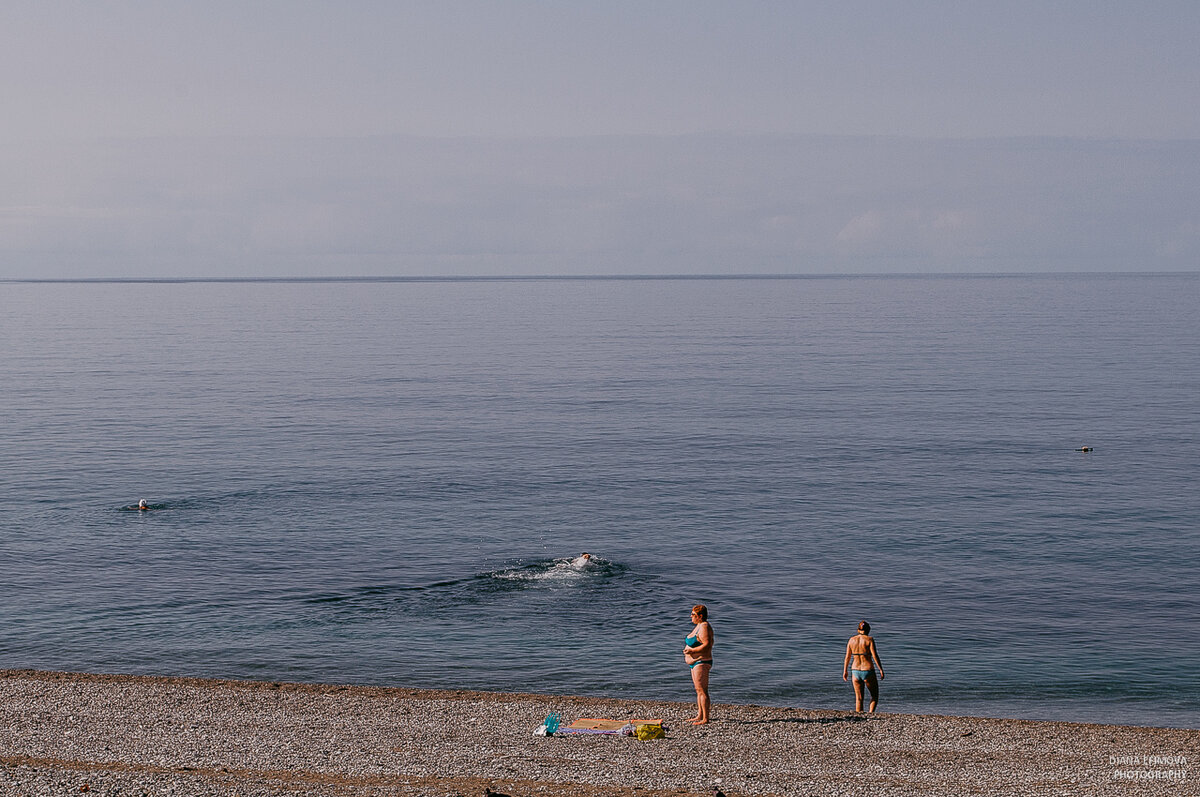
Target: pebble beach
<point>69,733</point>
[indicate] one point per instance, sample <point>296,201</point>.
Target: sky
<point>315,138</point>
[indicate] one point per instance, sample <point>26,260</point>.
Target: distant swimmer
<point>1084,448</point>
<point>583,560</point>
<point>141,506</point>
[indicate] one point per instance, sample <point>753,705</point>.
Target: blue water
<point>381,482</point>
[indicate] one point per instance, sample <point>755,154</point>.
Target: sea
<point>386,481</point>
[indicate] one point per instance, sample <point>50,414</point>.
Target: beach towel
<point>594,725</point>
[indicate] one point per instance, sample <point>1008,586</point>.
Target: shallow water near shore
<point>385,483</point>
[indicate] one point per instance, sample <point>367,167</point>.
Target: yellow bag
<point>645,732</point>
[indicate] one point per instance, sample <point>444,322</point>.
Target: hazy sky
<point>226,138</point>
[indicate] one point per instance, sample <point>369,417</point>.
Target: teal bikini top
<point>691,642</point>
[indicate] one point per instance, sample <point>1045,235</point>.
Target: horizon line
<point>586,277</point>
<point>536,137</point>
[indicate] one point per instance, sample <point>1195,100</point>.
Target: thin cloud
<point>400,205</point>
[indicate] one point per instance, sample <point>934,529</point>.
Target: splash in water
<point>564,570</point>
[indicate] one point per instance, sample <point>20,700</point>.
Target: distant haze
<point>264,138</point>
<point>610,205</point>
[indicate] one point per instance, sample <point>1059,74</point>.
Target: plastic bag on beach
<point>650,731</point>
<point>549,726</point>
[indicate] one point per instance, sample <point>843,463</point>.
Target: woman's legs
<point>858,693</point>
<point>873,685</point>
<point>700,681</point>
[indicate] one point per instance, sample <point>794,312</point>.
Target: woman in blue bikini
<point>861,648</point>
<point>697,653</point>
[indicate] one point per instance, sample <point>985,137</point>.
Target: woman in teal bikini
<point>697,653</point>
<point>861,649</point>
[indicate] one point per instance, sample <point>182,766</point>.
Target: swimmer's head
<point>865,627</point>
<point>701,611</point>
<point>585,555</point>
<point>142,504</point>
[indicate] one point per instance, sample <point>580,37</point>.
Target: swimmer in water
<point>582,560</point>
<point>142,504</point>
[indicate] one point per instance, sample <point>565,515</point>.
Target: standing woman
<point>697,653</point>
<point>861,649</point>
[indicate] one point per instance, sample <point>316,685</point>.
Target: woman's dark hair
<point>865,627</point>
<point>701,610</point>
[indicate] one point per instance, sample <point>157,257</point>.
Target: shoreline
<point>134,734</point>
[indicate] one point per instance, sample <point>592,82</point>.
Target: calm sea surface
<point>379,482</point>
